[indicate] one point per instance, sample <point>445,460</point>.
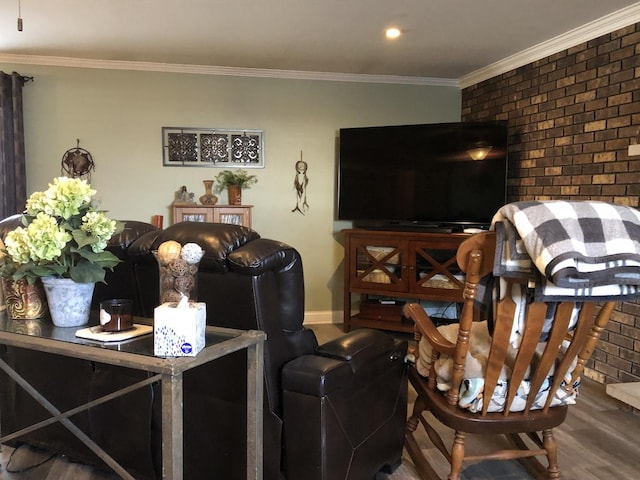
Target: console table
<point>235,214</point>
<point>138,354</point>
<point>406,265</point>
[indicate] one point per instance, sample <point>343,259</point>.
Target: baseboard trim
<point>327,316</point>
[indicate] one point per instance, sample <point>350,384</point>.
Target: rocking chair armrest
<point>426,328</point>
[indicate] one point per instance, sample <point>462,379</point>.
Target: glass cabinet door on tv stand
<point>388,268</point>
<point>234,214</point>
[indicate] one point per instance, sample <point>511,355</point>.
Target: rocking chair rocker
<point>552,367</point>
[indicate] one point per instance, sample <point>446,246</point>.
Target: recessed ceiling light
<point>392,32</point>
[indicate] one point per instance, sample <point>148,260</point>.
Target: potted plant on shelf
<point>234,181</point>
<point>62,242</point>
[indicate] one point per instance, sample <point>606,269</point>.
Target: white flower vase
<point>69,302</point>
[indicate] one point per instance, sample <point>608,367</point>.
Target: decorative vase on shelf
<point>69,301</point>
<point>24,301</point>
<point>208,198</point>
<point>235,194</point>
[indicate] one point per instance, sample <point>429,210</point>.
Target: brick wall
<point>571,119</point>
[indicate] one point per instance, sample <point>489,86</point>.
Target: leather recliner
<point>331,411</point>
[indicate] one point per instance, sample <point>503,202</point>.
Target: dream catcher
<point>77,163</point>
<point>300,182</point>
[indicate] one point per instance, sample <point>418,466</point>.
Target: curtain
<point>12,161</point>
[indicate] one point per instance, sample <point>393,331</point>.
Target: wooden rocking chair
<point>475,256</point>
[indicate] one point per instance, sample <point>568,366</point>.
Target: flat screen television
<point>422,176</point>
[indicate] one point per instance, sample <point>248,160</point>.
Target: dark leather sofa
<point>331,411</point>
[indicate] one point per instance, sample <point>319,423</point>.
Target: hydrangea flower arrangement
<point>64,236</point>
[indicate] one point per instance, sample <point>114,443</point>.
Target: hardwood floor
<point>27,463</point>
<point>600,440</point>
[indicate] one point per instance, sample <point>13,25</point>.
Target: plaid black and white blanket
<point>570,249</point>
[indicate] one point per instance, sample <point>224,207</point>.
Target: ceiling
<point>442,39</point>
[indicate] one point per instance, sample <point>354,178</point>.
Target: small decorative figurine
<point>184,197</point>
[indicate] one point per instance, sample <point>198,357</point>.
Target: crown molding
<point>607,24</point>
<point>229,71</point>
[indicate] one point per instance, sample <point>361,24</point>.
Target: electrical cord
<point>8,468</point>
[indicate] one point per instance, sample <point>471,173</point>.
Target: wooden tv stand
<point>402,265</point>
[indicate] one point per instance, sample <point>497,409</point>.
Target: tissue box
<point>179,331</point>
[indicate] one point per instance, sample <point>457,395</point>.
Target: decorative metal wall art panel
<point>212,147</point>
<point>245,148</point>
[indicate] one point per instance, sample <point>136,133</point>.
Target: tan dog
<point>479,344</point>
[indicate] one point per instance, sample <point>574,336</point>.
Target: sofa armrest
<point>316,376</point>
<point>341,423</point>
<point>355,358</point>
<point>358,347</point>
<point>261,255</point>
<point>9,224</point>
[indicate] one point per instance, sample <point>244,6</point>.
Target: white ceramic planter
<point>69,302</point>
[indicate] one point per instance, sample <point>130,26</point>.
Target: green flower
<point>63,235</point>
<point>64,198</point>
<point>97,225</point>
<point>17,246</point>
<point>45,238</point>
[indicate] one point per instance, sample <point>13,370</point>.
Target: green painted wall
<point>117,115</point>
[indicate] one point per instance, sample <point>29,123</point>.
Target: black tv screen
<point>422,175</point>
